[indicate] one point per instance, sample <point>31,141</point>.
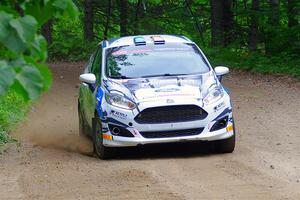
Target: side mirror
<point>88,78</point>
<point>221,71</point>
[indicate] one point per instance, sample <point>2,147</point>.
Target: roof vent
<point>157,39</point>
<point>139,41</point>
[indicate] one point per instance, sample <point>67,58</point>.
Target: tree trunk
<point>274,12</point>
<point>47,31</point>
<point>197,25</point>
<point>19,9</point>
<point>271,34</point>
<point>227,22</point>
<point>216,23</point>
<point>292,13</point>
<point>221,22</point>
<point>123,17</point>
<point>136,20</point>
<point>253,36</point>
<point>88,20</point>
<point>107,20</point>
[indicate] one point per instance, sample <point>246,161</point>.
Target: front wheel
<point>225,146</point>
<point>100,150</point>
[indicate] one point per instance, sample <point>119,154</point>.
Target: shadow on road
<point>158,151</point>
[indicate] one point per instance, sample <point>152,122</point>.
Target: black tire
<point>100,150</point>
<point>225,146</point>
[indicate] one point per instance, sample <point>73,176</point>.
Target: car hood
<point>158,88</point>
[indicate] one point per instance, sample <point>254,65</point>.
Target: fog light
<point>221,123</point>
<point>119,131</point>
<point>115,131</point>
<point>229,128</point>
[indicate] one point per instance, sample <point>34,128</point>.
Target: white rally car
<point>146,89</point>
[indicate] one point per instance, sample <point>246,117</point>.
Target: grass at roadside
<point>13,109</point>
<point>255,62</point>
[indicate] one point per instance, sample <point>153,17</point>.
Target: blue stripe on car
<point>99,97</point>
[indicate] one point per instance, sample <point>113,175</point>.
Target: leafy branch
<point>23,50</point>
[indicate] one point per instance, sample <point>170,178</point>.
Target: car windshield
<point>154,60</point>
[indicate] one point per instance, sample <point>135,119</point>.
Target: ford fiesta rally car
<point>139,90</point>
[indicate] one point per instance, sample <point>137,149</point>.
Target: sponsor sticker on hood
<point>162,88</point>
<point>152,94</point>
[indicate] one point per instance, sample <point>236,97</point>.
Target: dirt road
<point>53,163</point>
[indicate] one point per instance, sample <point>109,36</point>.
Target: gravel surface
<point>54,163</point>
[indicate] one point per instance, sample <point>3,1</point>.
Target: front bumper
<point>139,140</point>
<point>119,117</point>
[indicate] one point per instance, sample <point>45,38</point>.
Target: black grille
<point>170,114</point>
<point>175,133</point>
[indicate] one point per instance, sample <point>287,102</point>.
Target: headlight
<point>119,101</point>
<point>214,94</point>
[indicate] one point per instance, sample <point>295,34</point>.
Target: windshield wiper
<point>121,77</point>
<point>148,76</point>
<point>157,75</point>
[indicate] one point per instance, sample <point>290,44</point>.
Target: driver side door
<point>88,91</point>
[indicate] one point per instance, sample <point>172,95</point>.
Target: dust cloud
<point>57,139</point>
<point>53,120</point>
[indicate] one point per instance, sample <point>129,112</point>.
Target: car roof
<point>129,40</point>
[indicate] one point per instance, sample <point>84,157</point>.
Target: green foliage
<point>4,138</point>
<point>7,75</point>
<point>13,108</point>
<point>47,9</point>
<point>17,33</point>
<point>68,43</point>
<point>255,62</point>
<point>278,45</point>
<point>23,51</point>
<point>29,82</point>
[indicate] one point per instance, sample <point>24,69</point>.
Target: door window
<point>96,67</point>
